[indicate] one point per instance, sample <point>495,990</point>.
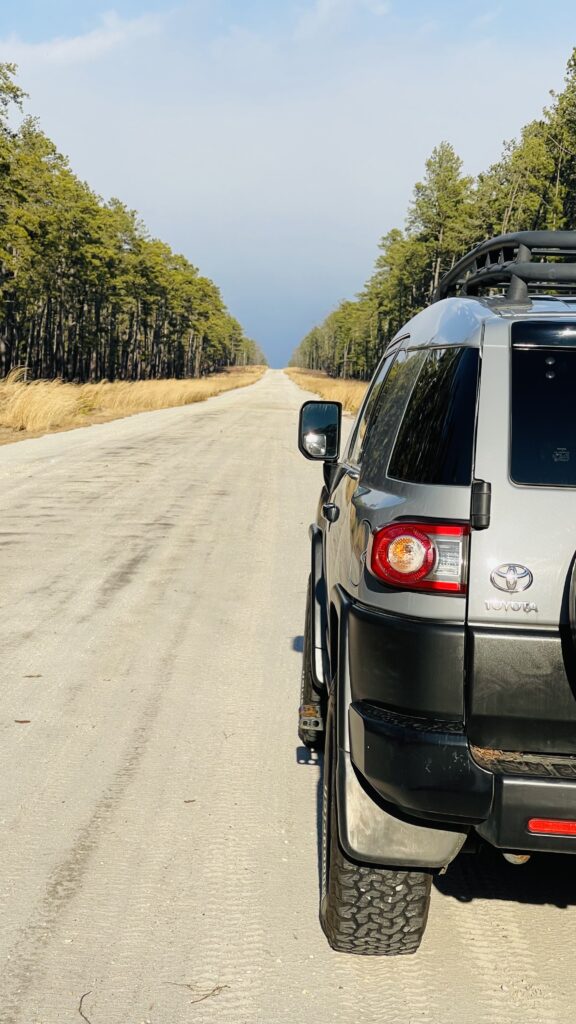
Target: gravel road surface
<point>158,819</point>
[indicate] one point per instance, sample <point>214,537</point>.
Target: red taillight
<point>551,827</point>
<point>421,556</point>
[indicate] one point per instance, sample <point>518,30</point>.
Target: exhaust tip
<point>516,858</point>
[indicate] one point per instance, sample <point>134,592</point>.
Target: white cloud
<point>332,13</point>
<point>112,33</point>
<point>487,18</point>
<point>378,7</point>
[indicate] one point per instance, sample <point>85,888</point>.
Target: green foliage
<point>85,293</point>
<point>532,186</point>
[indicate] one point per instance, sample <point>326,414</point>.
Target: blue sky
<point>274,143</point>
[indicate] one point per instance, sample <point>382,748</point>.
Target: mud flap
<point>369,833</point>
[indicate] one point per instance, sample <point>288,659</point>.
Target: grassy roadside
<point>349,392</point>
<point>46,406</point>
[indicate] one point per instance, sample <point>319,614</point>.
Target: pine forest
<point>85,293</point>
<point>531,187</point>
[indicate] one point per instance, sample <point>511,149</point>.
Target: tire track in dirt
<point>159,825</point>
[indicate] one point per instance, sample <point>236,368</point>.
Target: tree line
<point>85,292</point>
<point>532,186</point>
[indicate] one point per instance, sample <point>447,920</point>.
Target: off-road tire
<point>311,738</point>
<point>367,910</point>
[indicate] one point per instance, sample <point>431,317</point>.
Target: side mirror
<point>319,430</point>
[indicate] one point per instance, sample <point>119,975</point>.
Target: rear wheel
<point>366,910</point>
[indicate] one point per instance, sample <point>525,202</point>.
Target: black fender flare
<point>368,831</point>
<point>319,658</point>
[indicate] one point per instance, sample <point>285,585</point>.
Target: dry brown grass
<point>349,392</point>
<point>42,406</point>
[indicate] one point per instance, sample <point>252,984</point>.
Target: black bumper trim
<point>440,725</point>
<point>518,799</point>
<point>427,773</point>
<point>412,666</point>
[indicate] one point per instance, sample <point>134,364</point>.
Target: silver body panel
<point>531,526</point>
<point>450,323</point>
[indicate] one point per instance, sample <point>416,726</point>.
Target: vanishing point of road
<point>158,820</point>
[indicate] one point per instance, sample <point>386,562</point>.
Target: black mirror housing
<point>319,430</point>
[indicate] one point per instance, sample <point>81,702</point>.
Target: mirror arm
<point>329,470</point>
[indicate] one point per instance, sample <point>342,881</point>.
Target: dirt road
<point>158,821</point>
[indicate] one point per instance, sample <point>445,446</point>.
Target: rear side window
<point>435,443</point>
<point>387,415</point>
<point>368,408</point>
<point>543,444</point>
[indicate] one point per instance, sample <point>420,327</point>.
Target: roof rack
<point>519,260</point>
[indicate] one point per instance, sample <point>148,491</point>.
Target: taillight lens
<point>421,556</point>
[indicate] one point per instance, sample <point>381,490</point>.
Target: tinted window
<point>388,410</point>
<point>537,333</point>
<point>543,449</point>
<point>436,440</point>
<point>368,408</point>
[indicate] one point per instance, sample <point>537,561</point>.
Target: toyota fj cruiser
<point>440,635</point>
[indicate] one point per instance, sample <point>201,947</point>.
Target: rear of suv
<point>439,662</point>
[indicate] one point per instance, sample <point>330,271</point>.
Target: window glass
<point>435,443</point>
<point>390,405</point>
<point>368,408</point>
<point>543,447</point>
<point>536,333</point>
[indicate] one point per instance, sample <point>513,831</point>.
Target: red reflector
<point>552,827</point>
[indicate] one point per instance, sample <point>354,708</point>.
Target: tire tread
<point>375,911</point>
<point>368,910</point>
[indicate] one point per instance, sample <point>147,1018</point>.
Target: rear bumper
<point>432,776</point>
<point>517,800</point>
<point>417,767</point>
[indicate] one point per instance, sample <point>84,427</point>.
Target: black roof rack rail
<point>518,260</point>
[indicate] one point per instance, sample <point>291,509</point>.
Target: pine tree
<point>532,186</point>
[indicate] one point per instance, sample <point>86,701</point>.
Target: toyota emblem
<point>511,577</point>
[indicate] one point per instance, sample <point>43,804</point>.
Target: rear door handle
<point>330,511</point>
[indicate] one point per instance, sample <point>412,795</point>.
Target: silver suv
<point>440,638</point>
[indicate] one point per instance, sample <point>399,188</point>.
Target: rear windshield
<point>435,444</point>
<point>543,446</point>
